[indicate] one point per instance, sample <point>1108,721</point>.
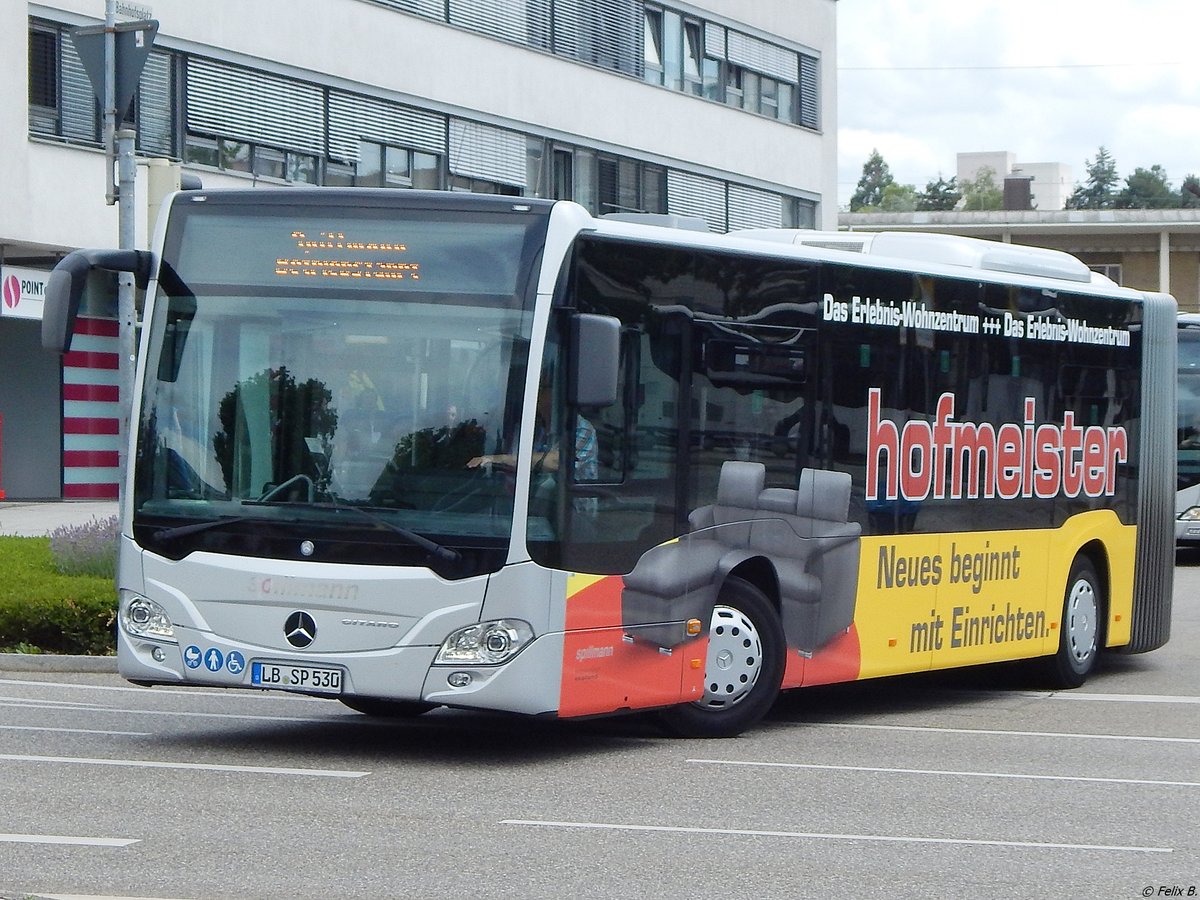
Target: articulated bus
<point>408,450</point>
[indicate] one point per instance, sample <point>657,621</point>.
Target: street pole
<point>110,95</point>
<point>126,306</point>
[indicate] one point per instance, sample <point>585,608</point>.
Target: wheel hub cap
<point>735,659</point>
<point>1081,621</point>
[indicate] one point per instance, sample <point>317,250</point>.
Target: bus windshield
<point>304,362</point>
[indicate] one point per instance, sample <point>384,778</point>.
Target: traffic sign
<point>133,43</point>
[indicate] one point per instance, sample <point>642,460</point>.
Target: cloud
<point>1048,81</point>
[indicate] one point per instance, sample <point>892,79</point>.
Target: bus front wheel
<point>743,668</point>
<point>1080,629</point>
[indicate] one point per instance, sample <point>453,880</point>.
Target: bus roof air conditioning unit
<point>975,253</point>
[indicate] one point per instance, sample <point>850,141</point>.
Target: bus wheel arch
<point>1081,631</point>
<point>745,660</point>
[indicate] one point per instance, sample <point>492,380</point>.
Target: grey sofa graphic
<point>802,534</point>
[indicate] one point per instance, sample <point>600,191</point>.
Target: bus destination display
<point>334,254</point>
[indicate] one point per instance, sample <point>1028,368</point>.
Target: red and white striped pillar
<point>92,412</point>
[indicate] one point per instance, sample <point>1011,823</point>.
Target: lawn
<point>45,611</point>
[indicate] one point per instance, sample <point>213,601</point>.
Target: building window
<point>693,58</point>
<point>653,46</point>
<point>383,165</point>
<point>43,75</point>
<point>563,174</point>
<point>1108,270</point>
<point>465,183</point>
<point>757,93</point>
<point>202,151</point>
<point>339,174</point>
<point>627,185</point>
<point>61,101</point>
<point>301,168</point>
<point>256,159</point>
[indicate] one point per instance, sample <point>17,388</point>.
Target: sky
<point>1047,80</point>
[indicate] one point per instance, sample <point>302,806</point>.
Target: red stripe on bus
<point>98,327</point>
<point>100,459</point>
<point>105,393</point>
<point>90,426</point>
<point>91,359</point>
<point>90,491</point>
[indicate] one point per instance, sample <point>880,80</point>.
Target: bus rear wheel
<point>387,709</point>
<point>743,669</point>
<point>1080,629</point>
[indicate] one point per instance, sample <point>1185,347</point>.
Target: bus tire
<point>1079,637</point>
<point>743,669</point>
<point>387,709</point>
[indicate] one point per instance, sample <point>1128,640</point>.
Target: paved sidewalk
<point>33,519</point>
<point>56,663</point>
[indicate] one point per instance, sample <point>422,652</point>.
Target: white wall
<point>1051,184</point>
<point>999,161</point>
<point>14,111</point>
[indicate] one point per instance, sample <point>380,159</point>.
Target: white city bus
<point>1187,500</point>
<point>408,449</point>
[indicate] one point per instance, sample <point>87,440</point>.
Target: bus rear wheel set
<point>746,654</point>
<point>1080,629</point>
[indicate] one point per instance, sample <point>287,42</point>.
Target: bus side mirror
<point>595,360</point>
<point>65,287</point>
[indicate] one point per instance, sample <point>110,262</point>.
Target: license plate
<point>289,677</point>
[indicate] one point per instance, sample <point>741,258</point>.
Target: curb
<point>51,662</point>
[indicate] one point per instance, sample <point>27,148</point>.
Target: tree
<point>1190,193</point>
<point>982,193</point>
<point>1099,191</point>
<point>1147,189</point>
<point>898,198</point>
<point>939,195</point>
<point>875,178</point>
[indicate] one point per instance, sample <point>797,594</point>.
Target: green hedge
<point>41,610</point>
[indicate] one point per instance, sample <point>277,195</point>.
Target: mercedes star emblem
<point>300,630</point>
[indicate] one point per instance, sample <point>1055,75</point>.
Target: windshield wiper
<point>169,534</point>
<point>445,554</point>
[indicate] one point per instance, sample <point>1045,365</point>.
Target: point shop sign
<point>22,292</point>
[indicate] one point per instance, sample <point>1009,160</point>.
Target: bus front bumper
<point>528,683</point>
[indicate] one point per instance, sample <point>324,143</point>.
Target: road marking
<point>346,717</point>
<point>76,730</point>
<point>65,839</point>
<point>942,772</point>
<point>46,704</point>
<point>183,690</point>
<point>1111,698</point>
<point>198,767</point>
<point>991,731</point>
<point>824,836</point>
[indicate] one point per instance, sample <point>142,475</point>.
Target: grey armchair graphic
<point>802,533</point>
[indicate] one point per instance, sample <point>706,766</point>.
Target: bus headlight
<point>145,618</point>
<point>485,644</point>
<point>1191,514</point>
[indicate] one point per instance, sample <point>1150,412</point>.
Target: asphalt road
<point>949,785</point>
